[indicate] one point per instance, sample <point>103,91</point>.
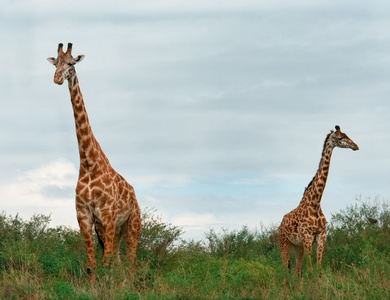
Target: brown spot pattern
<point>104,199</point>
<point>306,223</point>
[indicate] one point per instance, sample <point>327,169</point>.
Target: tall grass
<point>39,262</point>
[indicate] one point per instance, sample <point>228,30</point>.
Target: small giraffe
<point>306,223</point>
<point>104,199</point>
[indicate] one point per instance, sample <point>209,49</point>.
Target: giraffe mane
<point>325,142</point>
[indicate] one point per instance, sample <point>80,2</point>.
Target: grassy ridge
<point>38,262</point>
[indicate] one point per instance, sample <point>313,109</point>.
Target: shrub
<point>39,262</point>
<point>158,240</point>
<point>32,243</point>
<point>242,243</point>
<point>356,232</point>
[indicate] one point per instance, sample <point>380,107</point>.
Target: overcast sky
<point>215,111</point>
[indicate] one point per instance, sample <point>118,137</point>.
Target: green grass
<point>38,262</point>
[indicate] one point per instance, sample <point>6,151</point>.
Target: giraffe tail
<point>101,243</point>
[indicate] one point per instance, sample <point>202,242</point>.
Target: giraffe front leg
<point>85,225</point>
<point>109,236</point>
<point>321,240</point>
<point>298,260</point>
<point>307,247</point>
<point>131,236</point>
<point>117,241</point>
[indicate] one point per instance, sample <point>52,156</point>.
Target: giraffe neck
<point>89,148</point>
<point>313,193</point>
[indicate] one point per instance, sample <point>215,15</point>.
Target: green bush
<point>356,233</point>
<point>242,243</point>
<point>158,241</point>
<point>32,243</point>
<point>39,262</point>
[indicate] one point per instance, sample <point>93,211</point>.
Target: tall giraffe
<point>306,223</point>
<point>104,199</point>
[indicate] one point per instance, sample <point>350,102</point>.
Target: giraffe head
<point>341,140</point>
<point>64,64</point>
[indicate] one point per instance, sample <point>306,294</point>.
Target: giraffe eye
<point>340,138</point>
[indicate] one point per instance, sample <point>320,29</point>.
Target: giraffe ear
<point>78,58</point>
<point>51,60</point>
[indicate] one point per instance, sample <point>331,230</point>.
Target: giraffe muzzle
<point>59,81</point>
<point>355,147</point>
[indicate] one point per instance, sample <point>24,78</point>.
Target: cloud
<point>195,225</point>
<point>213,108</point>
<point>276,84</point>
<point>48,189</point>
<point>194,221</point>
<point>60,173</point>
<point>149,7</point>
<point>160,180</point>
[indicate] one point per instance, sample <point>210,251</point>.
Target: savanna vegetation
<point>38,262</point>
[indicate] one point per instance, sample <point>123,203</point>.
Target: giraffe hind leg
<point>284,247</point>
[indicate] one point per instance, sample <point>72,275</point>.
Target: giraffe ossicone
<point>306,224</point>
<point>104,199</point>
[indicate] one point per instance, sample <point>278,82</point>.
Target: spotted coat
<point>104,199</point>
<point>306,224</point>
